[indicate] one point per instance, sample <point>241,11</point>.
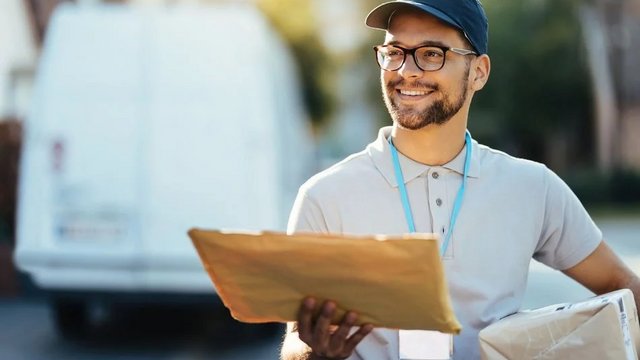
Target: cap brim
<point>380,17</point>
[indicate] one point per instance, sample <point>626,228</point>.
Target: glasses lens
<point>429,58</point>
<point>390,57</point>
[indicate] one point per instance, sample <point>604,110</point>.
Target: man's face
<point>417,98</point>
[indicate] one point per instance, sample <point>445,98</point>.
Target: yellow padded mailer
<point>392,282</point>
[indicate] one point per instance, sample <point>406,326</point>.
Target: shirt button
<point>435,175</point>
<point>439,202</point>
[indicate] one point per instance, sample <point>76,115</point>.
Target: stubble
<point>438,113</point>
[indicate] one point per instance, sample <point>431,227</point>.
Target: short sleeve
<point>306,215</point>
<point>568,233</point>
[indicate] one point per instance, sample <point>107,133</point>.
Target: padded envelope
<point>391,282</point>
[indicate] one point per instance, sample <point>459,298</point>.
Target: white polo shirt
<point>513,210</point>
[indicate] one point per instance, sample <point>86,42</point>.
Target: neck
<point>433,145</point>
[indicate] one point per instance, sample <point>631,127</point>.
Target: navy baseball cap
<point>466,15</point>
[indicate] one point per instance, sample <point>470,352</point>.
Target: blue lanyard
<point>456,205</point>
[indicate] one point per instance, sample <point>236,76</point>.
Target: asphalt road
<point>196,332</point>
<point>157,332</point>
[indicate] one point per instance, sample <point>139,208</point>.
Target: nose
<point>409,69</point>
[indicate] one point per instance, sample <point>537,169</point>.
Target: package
<point>603,327</point>
<point>263,277</point>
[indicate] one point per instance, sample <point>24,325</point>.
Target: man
<point>426,174</point>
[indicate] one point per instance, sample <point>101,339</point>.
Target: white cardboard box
<point>603,327</point>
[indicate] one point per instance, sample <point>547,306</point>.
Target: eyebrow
<point>424,43</point>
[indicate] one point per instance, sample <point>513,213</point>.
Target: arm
<point>314,338</point>
<point>570,241</point>
<point>603,271</point>
<point>292,347</point>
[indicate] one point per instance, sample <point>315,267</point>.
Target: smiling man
<point>425,173</point>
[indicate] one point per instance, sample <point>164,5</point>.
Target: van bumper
<point>74,272</point>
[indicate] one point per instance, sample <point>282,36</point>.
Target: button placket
<point>438,202</point>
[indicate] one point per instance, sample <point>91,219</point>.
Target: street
<point>157,332</point>
<point>170,332</point>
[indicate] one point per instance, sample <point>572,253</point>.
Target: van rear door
<point>80,184</point>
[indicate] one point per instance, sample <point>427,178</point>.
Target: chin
<point>414,122</point>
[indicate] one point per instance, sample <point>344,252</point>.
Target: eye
<point>432,54</point>
<point>394,52</point>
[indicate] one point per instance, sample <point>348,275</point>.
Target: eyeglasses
<point>427,58</point>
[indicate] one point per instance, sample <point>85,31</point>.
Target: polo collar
<point>380,153</point>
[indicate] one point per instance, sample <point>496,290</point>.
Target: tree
<point>537,103</point>
<point>539,86</point>
<point>295,22</point>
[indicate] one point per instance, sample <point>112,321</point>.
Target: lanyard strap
<point>456,205</point>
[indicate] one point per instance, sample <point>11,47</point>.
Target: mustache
<point>418,85</point>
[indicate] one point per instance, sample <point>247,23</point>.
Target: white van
<point>147,121</point>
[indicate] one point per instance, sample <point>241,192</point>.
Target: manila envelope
<point>392,282</point>
<point>603,327</point>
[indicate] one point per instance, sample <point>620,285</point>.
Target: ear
<point>479,74</point>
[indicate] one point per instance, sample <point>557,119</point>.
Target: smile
<point>413,95</point>
<point>414,92</point>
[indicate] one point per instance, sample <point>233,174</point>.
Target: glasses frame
<point>412,52</point>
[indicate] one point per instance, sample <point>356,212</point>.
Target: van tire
<point>71,317</point>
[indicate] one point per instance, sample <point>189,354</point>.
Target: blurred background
<point>124,123</point>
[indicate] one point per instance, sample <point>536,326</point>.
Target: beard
<point>438,113</point>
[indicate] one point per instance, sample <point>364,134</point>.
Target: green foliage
<point>538,92</point>
<point>367,59</point>
<point>596,188</point>
<point>539,84</point>
<point>295,22</point>
<point>539,87</point>
<point>373,87</point>
<point>537,103</point>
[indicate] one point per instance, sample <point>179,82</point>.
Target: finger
<point>321,332</point>
<point>340,335</point>
<point>355,339</point>
<point>305,320</point>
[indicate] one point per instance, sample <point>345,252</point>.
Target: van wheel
<point>71,317</point>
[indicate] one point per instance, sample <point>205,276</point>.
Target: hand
<point>327,341</point>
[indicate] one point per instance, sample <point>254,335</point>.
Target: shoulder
<point>357,173</point>
<point>499,163</point>
<point>517,175</point>
<point>343,174</point>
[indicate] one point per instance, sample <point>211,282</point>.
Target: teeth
<point>413,92</point>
